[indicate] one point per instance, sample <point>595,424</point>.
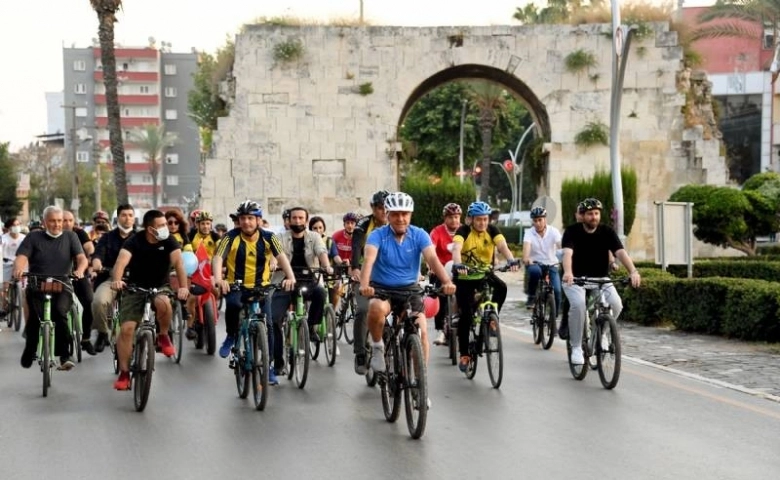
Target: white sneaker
<point>378,358</point>
<point>441,339</point>
<point>576,356</point>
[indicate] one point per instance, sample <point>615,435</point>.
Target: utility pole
<point>461,173</point>
<point>74,202</point>
<point>361,12</point>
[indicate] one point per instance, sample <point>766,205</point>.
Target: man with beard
<point>441,236</point>
<point>586,249</point>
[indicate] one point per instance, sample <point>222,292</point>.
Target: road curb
<point>680,373</point>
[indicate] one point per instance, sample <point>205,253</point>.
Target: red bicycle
<point>206,315</point>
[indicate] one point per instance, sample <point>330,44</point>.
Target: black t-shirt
<point>83,236</point>
<point>150,264</point>
<point>50,256</point>
<point>591,250</point>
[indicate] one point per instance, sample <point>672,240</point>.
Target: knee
<point>127,329</point>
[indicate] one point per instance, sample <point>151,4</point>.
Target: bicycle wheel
<point>452,336</point>
<point>390,388</point>
<point>608,355</point>
<point>10,301</point>
<point>17,308</point>
<point>416,387</point>
<point>259,350</point>
<point>493,349</point>
<point>144,368</point>
<point>288,342</point>
<point>330,335</point>
<point>371,375</point>
<point>349,316</point>
<point>314,346</point>
<point>176,331</point>
<point>77,331</point>
<point>471,369</point>
<point>537,319</point>
<point>46,365</point>
<point>577,371</point>
<point>302,354</point>
<point>547,328</point>
<point>241,369</point>
<point>209,328</point>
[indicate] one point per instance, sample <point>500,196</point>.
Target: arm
<point>567,272</point>
<point>284,264</point>
<point>99,255</point>
<point>622,255</point>
<point>456,249</point>
<point>178,264</point>
<point>507,253</point>
<point>20,265</point>
<point>527,253</point>
<point>89,248</point>
<point>119,269</point>
<point>365,274</point>
<point>81,265</point>
<point>322,253</point>
<point>358,238</point>
<point>429,254</point>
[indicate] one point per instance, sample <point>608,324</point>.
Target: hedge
<point>432,194</point>
<point>741,308</point>
<point>769,271</point>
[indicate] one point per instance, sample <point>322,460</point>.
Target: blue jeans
<point>535,273</point>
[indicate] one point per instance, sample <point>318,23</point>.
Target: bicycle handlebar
<point>581,281</point>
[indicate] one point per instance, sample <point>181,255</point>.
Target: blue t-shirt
<point>397,264</point>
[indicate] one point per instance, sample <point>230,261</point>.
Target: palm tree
<point>490,101</point>
<point>106,13</point>
<point>153,140</point>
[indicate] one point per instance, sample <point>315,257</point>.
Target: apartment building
<point>153,88</point>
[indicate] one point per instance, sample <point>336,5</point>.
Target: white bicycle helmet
<point>399,202</point>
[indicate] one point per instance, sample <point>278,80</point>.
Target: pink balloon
<point>430,306</point>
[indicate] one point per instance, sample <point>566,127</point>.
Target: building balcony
<point>129,52</point>
<point>135,167</point>
<point>100,99</point>
<point>126,76</point>
<point>129,121</point>
<point>142,189</point>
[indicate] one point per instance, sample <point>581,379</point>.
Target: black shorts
<point>397,296</point>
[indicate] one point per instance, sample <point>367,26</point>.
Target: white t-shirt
<point>543,248</point>
<point>10,246</point>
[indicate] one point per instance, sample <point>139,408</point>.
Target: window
<point>170,92</point>
<point>170,69</point>
<point>171,179</point>
<point>146,179</point>
<point>79,65</point>
<point>127,112</point>
<point>82,157</point>
<point>80,88</point>
<point>172,159</point>
<point>171,115</point>
<point>81,111</point>
<point>144,88</point>
<point>125,66</point>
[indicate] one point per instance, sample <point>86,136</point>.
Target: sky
<point>32,34</point>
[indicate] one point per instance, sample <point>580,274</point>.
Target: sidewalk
<point>753,368</point>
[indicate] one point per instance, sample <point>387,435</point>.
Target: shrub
<point>769,271</point>
<point>594,133</point>
<point>573,191</point>
<point>431,193</point>
<point>288,51</point>
<point>580,60</point>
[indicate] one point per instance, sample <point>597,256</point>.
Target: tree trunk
<point>486,123</point>
<point>106,18</point>
<point>154,170</point>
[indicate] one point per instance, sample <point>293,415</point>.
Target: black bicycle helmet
<point>589,204</point>
<point>378,198</point>
<point>538,212</point>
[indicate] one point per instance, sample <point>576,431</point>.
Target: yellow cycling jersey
<point>209,240</point>
<point>249,260</point>
<point>478,247</point>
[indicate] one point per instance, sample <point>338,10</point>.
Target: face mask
<point>125,230</point>
<point>52,235</point>
<point>297,228</point>
<point>162,233</point>
<point>16,229</point>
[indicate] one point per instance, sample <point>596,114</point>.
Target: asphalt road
<point>540,424</point>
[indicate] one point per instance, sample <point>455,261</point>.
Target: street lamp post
<point>461,173</point>
<point>517,168</point>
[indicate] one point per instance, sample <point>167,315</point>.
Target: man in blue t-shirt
<point>392,261</point>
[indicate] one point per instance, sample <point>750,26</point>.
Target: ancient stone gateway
<point>320,130</point>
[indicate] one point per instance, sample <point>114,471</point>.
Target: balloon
<point>190,262</point>
<point>448,268</point>
<point>430,306</point>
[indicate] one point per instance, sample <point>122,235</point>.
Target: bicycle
<point>347,305</point>
<point>600,335</point>
<point>48,285</point>
<point>75,329</point>
<point>15,312</point>
<point>178,325</point>
<point>296,338</point>
<point>250,358</point>
<point>544,313</point>
<point>405,369</point>
<point>485,333</point>
<point>206,315</point>
<point>326,329</point>
<point>449,328</point>
<point>144,346</point>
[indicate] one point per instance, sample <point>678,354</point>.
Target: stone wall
<point>301,133</point>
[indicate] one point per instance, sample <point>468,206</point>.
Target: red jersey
<point>343,245</point>
<point>442,239</point>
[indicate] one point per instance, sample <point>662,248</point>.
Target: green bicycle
<point>326,329</point>
<point>296,339</point>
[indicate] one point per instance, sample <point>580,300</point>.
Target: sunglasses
<point>172,222</point>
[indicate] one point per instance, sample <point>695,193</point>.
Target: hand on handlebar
<point>460,269</point>
<point>182,293</point>
<point>221,285</point>
<point>448,288</point>
<point>288,284</point>
<point>514,265</point>
<point>568,278</point>
<point>367,291</point>
<point>117,285</point>
<point>356,274</point>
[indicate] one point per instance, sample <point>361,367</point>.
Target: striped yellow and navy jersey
<point>249,260</point>
<point>209,240</point>
<point>477,248</point>
<point>364,227</point>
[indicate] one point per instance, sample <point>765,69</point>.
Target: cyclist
<point>586,247</point>
<point>106,253</point>
<point>343,238</point>
<point>209,238</point>
<point>99,218</point>
<point>304,249</point>
<point>392,261</point>
<point>83,286</point>
<point>193,223</point>
<point>317,224</point>
<point>363,228</point>
<point>474,249</point>
<point>35,225</point>
<point>50,252</point>
<point>539,246</point>
<point>10,244</point>
<point>177,227</point>
<point>442,236</point>
<point>221,229</point>
<point>246,253</point>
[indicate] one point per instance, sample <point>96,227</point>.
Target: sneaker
<point>441,339</point>
<point>360,364</point>
<point>100,342</point>
<point>227,345</point>
<point>123,382</point>
<point>529,304</point>
<point>28,357</point>
<point>563,331</point>
<point>66,363</point>
<point>272,380</point>
<point>464,363</point>
<point>86,345</point>
<point>166,347</point>
<point>378,358</point>
<point>191,334</point>
<point>576,356</point>
<point>314,336</point>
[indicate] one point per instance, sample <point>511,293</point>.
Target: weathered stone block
<point>666,39</point>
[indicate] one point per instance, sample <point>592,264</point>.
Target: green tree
<point>61,188</point>
<point>204,101</point>
<point>153,140</point>
<point>431,193</point>
<point>574,190</point>
<point>556,11</point>
<point>490,100</point>
<point>9,204</point>
<point>767,184</point>
<point>728,217</point>
<point>106,12</point>
<point>739,19</point>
